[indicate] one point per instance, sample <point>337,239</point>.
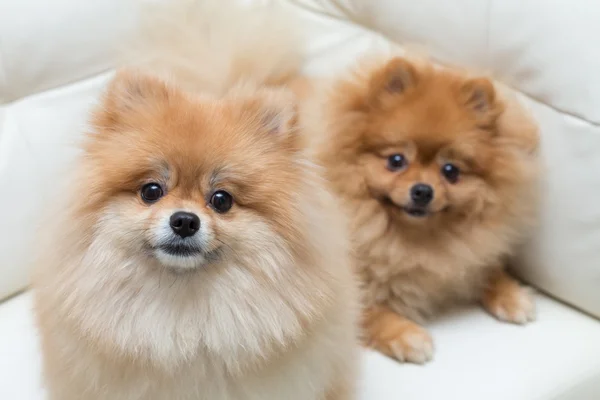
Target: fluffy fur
<point>262,305</point>
<point>416,261</point>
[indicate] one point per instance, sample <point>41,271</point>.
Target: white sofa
<point>56,56</point>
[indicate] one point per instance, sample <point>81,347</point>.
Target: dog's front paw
<point>510,302</point>
<point>411,344</point>
<point>399,338</point>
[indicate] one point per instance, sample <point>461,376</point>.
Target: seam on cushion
<point>555,108</point>
<point>54,87</point>
<point>68,86</point>
<point>13,294</point>
<point>562,300</point>
<point>350,17</point>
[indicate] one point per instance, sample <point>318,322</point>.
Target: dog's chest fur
<point>420,278</point>
<point>296,378</point>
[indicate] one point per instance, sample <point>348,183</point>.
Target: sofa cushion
<point>50,44</point>
<point>51,54</point>
<point>477,358</point>
<point>38,140</point>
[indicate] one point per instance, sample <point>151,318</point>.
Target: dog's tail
<point>211,46</point>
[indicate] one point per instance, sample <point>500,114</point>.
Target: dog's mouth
<point>184,256</point>
<point>418,212</point>
<point>181,250</point>
<point>411,209</point>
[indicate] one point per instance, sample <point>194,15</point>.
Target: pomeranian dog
<point>197,253</point>
<point>438,171</point>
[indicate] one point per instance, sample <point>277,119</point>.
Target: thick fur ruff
<point>267,310</point>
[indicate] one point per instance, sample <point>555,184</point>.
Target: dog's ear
<point>396,78</point>
<point>274,112</point>
<point>479,96</point>
<point>130,92</point>
<point>279,113</point>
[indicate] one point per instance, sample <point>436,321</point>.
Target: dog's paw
<point>412,345</point>
<point>515,304</point>
<point>401,339</point>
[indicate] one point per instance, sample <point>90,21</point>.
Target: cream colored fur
<point>211,45</point>
<point>262,324</point>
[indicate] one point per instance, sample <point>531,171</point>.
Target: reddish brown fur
<point>421,266</point>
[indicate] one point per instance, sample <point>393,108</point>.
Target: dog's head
<point>430,145</point>
<point>187,182</point>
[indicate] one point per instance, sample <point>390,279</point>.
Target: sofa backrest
<point>55,58</point>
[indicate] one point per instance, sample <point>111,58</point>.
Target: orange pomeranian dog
<point>438,171</point>
<point>198,254</point>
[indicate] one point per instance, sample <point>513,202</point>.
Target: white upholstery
<point>477,358</point>
<point>55,58</point>
<point>50,55</point>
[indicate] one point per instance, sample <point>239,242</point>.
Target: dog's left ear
<point>279,112</point>
<point>274,113</point>
<point>479,96</point>
<point>395,79</point>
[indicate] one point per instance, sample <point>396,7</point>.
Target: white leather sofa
<point>56,56</point>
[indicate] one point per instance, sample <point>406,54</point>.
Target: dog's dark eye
<point>151,192</point>
<point>221,201</point>
<point>396,162</point>
<point>450,172</point>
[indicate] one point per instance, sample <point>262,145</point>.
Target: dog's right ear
<point>393,80</point>
<point>129,93</point>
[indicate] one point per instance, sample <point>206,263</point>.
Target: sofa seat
<point>477,358</point>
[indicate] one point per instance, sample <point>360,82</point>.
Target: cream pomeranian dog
<point>196,253</point>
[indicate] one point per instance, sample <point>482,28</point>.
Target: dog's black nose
<point>185,224</point>
<point>421,194</point>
